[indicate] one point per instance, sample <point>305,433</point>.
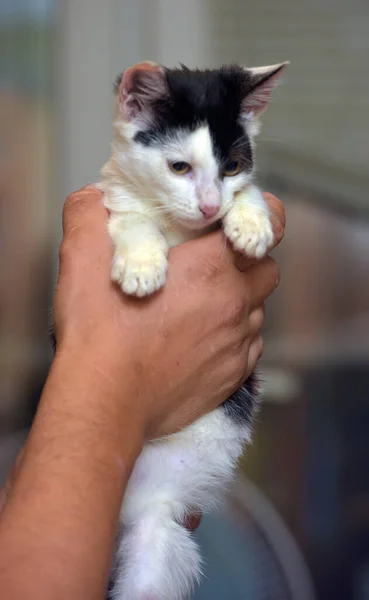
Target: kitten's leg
<point>140,256</point>
<point>186,472</point>
<point>248,223</point>
<point>159,559</point>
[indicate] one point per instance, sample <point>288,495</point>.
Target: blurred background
<point>296,523</point>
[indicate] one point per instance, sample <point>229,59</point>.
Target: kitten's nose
<point>209,200</point>
<point>209,210</point>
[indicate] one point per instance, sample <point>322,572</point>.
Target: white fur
<point>151,209</point>
<point>247,224</point>
<point>172,477</point>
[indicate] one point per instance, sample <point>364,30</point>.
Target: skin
<point>103,399</point>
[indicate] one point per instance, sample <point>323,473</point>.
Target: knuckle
<point>239,344</point>
<point>72,200</point>
<point>66,250</point>
<point>240,368</point>
<point>77,202</point>
<point>233,313</point>
<point>259,317</point>
<point>278,231</point>
<point>273,269</point>
<point>260,346</point>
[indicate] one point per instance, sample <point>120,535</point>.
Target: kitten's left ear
<point>139,88</point>
<point>263,81</point>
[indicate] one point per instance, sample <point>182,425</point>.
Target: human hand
<point>181,352</point>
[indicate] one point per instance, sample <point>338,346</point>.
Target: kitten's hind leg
<point>158,558</point>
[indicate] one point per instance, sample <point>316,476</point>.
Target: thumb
<point>84,207</point>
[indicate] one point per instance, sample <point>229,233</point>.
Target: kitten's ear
<point>263,81</point>
<point>140,87</point>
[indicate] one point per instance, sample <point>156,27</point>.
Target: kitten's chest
<point>176,234</point>
<point>174,237</point>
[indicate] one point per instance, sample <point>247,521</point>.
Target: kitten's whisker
<point>241,141</point>
<point>158,211</point>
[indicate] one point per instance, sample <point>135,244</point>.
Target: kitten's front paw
<point>249,229</point>
<point>140,273</point>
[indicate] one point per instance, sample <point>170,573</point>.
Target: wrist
<point>98,387</point>
<point>77,461</point>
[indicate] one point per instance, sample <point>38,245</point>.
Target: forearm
<point>57,529</point>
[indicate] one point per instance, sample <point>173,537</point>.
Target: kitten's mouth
<point>202,222</point>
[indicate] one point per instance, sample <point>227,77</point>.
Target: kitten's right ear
<point>262,82</point>
<point>140,87</point>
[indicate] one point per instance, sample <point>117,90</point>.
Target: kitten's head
<point>184,137</point>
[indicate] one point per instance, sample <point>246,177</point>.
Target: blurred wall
<point>94,50</point>
<point>316,134</point>
<point>27,189</point>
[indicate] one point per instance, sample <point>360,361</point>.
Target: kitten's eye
<point>180,168</point>
<point>232,167</point>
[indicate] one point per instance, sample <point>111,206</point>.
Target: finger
<point>278,217</point>
<point>255,321</point>
<point>256,349</point>
<point>84,207</point>
<point>260,280</point>
<point>211,254</point>
<point>243,262</point>
<point>84,229</point>
<point>213,245</point>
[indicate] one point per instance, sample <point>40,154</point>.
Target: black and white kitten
<point>182,160</point>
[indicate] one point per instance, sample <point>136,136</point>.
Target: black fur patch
<point>243,404</point>
<point>212,97</point>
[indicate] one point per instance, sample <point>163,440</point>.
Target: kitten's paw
<point>140,274</point>
<point>249,230</point>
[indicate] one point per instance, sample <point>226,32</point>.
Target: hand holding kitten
<point>202,325</point>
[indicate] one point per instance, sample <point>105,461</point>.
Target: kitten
<point>181,161</point>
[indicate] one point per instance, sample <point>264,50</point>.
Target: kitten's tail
<point>159,559</point>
